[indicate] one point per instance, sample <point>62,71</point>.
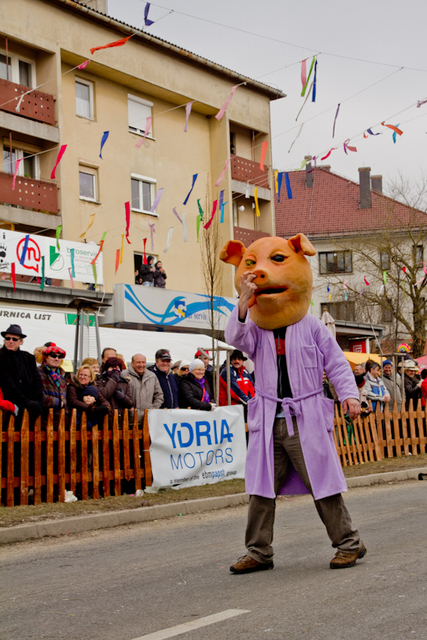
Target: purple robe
<point>310,349</point>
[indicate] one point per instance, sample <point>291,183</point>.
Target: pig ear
<point>302,245</point>
<point>232,252</point>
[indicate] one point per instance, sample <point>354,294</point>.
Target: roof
<point>331,208</point>
<point>168,47</point>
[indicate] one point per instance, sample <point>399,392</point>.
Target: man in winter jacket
<point>19,377</point>
<point>375,387</point>
<point>241,384</point>
<point>166,378</point>
<point>144,386</point>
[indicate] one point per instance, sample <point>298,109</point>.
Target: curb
<point>81,524</point>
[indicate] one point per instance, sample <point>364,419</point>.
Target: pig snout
<point>260,276</point>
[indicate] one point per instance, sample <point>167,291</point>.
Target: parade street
<point>139,582</point>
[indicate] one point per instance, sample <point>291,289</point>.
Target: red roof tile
<point>331,207</point>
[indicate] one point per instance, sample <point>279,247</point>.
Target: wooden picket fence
<point>53,459</point>
<point>94,463</point>
<point>381,435</point>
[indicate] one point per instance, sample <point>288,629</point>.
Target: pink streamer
<point>127,211</point>
<point>329,153</point>
<point>304,72</point>
<point>152,230</point>
<point>208,224</point>
<point>420,280</point>
<point>83,65</point>
<point>217,183</point>
<point>347,146</point>
<point>263,152</point>
<point>424,268</point>
<point>187,114</point>
<point>71,278</point>
<point>366,282</point>
<point>223,109</point>
<point>58,160</point>
<point>176,213</point>
<point>147,129</point>
<point>344,284</point>
<point>16,171</point>
<point>420,103</point>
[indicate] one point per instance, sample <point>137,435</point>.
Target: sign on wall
<point>165,308</point>
<point>190,448</point>
<point>27,252</point>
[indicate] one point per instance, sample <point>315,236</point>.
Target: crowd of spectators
<point>39,383</point>
<point>151,274</point>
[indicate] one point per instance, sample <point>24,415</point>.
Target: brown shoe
<point>246,564</point>
<point>344,559</point>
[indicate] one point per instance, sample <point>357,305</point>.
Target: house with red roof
<point>347,221</point>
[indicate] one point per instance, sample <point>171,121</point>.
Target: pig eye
<point>278,258</point>
<point>250,263</point>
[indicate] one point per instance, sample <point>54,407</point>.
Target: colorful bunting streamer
<point>258,213</point>
<point>147,22</point>
<point>372,133</point>
<point>95,275</point>
<point>313,96</point>
<point>347,146</point>
<point>101,246</point>
<point>117,260</point>
<point>344,284</point>
<point>346,295</point>
<point>24,250</point>
<point>91,221</point>
<point>329,153</point>
<point>13,275</point>
<point>222,207</point>
<point>335,121</point>
<point>42,275</point>
<point>176,213</point>
<point>296,137</point>
<point>58,233</point>
<point>308,79</point>
<point>148,122</point>
<point>394,136</point>
<point>393,128</point>
<point>73,270</point>
<point>168,241</point>
<point>198,221</point>
<point>384,276</point>
<point>18,106</point>
<point>424,268</point>
<point>117,43</point>
<point>157,200</point>
<point>58,160</point>
<point>200,209</point>
<point>188,107</point>
<point>303,73</point>
<point>71,278</point>
<point>279,185</point>
<point>263,152</point>
<point>144,258</point>
<point>184,227</point>
<point>276,184</point>
<point>83,65</point>
<point>127,215</point>
<point>152,231</point>
<point>15,172</point>
<point>103,141</point>
<point>223,109</point>
<point>208,224</point>
<point>420,280</point>
<point>122,247</point>
<point>366,282</point>
<point>218,182</point>
<point>420,103</point>
<point>288,186</point>
<point>304,103</point>
<point>192,187</point>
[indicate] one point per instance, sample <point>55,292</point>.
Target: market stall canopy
<point>359,358</point>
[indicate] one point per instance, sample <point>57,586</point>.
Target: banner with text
<point>190,448</point>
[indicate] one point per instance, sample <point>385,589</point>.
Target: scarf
<point>205,397</point>
<point>56,377</point>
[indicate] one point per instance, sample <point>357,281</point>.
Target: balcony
<point>248,236</point>
<point>36,105</point>
<point>39,195</point>
<point>244,170</point>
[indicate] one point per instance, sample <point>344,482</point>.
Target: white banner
<point>26,253</point>
<point>190,448</point>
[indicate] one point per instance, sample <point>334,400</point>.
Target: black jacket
<point>19,378</point>
<point>169,387</point>
<point>146,274</point>
<point>191,394</point>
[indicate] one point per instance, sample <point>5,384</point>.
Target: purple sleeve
<point>241,334</point>
<point>337,366</point>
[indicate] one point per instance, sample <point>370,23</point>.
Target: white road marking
<point>193,624</point>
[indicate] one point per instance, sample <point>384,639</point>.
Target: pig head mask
<point>283,277</point>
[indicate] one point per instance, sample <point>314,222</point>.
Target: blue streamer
<point>103,141</point>
<point>73,271</point>
<point>222,211</point>
<point>279,185</point>
<point>24,250</point>
<point>288,186</point>
<point>192,187</point>
<point>313,95</point>
<point>394,133</point>
<point>147,22</point>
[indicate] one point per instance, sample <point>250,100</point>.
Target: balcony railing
<point>29,193</point>
<point>247,236</point>
<point>245,170</point>
<point>35,105</point>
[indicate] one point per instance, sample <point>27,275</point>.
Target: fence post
<point>116,453</point>
<point>136,451</point>
<point>73,451</point>
<point>10,501</point>
<point>83,444</point>
<point>106,457</point>
<point>61,456</point>
<point>25,450</point>
<point>49,457</point>
<point>95,461</point>
<point>146,448</point>
<point>38,461</point>
<point>125,441</point>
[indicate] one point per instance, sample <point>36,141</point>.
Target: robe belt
<point>290,406</point>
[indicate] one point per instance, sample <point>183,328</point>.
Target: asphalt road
<point>131,582</point>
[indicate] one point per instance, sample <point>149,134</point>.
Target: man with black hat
<point>167,380</point>
<point>241,384</point>
<point>20,381</point>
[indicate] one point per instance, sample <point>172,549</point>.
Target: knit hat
<point>53,350</point>
<point>184,363</point>
<point>196,363</point>
<point>201,352</point>
<point>387,362</point>
<point>90,390</point>
<point>113,362</point>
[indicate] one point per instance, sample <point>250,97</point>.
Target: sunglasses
<point>11,338</point>
<point>52,355</point>
<point>185,368</point>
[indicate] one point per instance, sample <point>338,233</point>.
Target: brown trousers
<point>332,510</point>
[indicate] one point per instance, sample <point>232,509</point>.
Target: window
<point>138,112</point>
<point>21,70</point>
<point>384,260</point>
<point>88,183</point>
<point>84,99</point>
<point>335,262</point>
<point>142,190</point>
<point>341,310</point>
<point>419,254</point>
<point>29,167</point>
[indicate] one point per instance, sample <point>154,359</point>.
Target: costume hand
<point>247,290</point>
<point>352,407</point>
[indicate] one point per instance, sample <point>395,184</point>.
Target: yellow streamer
<point>121,249</point>
<point>276,184</point>
<point>256,202</point>
<point>91,221</point>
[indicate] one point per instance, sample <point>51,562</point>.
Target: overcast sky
<point>359,45</point>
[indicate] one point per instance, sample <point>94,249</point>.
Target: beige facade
<point>146,76</point>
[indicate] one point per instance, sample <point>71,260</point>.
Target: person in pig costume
<point>291,447</point>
